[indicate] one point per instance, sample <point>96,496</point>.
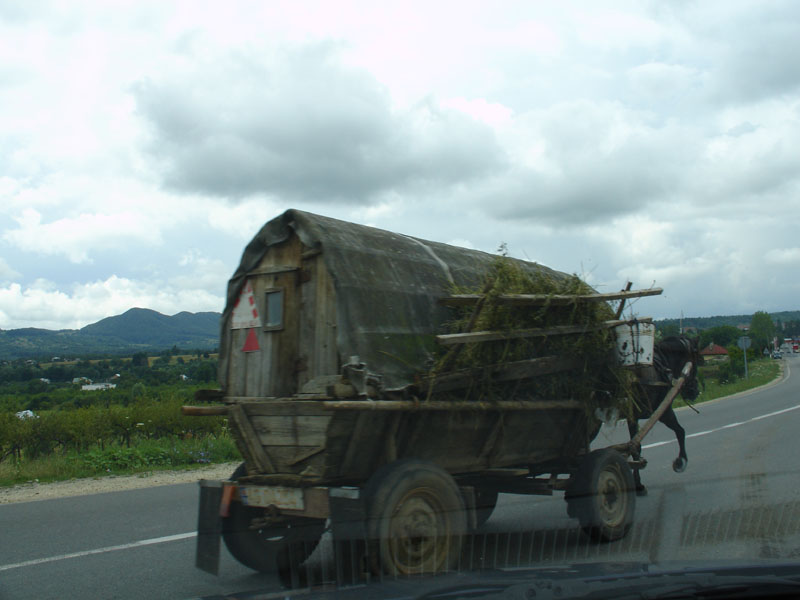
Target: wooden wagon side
<point>343,442</point>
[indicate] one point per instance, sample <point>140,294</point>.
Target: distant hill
<point>136,329</point>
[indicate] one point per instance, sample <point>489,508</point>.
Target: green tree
<point>206,372</point>
<point>668,330</point>
<point>722,335</point>
<point>762,330</point>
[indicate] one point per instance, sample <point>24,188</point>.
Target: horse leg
<point>670,420</point>
<point>633,429</point>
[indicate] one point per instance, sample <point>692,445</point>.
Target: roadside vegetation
<point>728,378</point>
<point>52,429</point>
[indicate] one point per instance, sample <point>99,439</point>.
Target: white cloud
<point>659,81</point>
<point>73,237</point>
<point>491,113</point>
<point>6,272</point>
<point>200,272</point>
<point>783,256</point>
<point>43,305</point>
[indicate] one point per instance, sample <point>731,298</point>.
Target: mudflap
<point>209,526</point>
<point>349,535</point>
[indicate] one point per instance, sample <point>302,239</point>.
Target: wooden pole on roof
<point>621,306</point>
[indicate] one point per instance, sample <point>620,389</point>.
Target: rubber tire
<point>409,493</point>
<point>485,503</point>
<point>275,550</point>
<point>605,516</point>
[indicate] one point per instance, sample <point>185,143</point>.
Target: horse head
<point>691,387</point>
<point>676,352</point>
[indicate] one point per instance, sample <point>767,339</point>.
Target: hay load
<point>531,336</point>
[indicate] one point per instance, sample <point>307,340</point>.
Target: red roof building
<point>714,351</point>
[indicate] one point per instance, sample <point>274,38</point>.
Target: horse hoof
<point>679,466</point>
<point>641,490</point>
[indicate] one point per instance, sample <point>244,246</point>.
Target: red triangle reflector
<point>251,343</point>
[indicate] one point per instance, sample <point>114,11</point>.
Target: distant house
<point>44,380</point>
<point>714,352</point>
<point>82,380</point>
<point>92,387</point>
<point>743,327</point>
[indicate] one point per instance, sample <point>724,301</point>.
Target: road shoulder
<point>28,492</point>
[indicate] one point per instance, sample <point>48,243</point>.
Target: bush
<point>79,429</point>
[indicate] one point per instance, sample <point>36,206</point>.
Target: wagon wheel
<point>280,548</point>
<point>416,518</point>
<point>601,495</point>
<point>485,502</point>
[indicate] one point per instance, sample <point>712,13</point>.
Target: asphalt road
<point>738,500</point>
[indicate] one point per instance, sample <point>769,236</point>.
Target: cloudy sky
<point>143,144</point>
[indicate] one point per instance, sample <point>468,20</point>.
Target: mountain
<point>136,329</point>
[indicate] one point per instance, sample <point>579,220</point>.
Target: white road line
<point>150,542</point>
<point>728,426</point>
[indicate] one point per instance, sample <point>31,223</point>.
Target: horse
<point>669,357</point>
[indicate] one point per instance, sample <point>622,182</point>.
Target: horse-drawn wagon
<point>350,398</point>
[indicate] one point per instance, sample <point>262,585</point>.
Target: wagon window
<point>274,304</point>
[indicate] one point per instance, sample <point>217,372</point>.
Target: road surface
<point>737,500</point>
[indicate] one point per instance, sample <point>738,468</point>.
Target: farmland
<point>133,426</point>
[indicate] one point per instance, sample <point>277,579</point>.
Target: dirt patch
<point>28,492</point>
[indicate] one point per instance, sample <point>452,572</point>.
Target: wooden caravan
<point>327,341</point>
<point>311,292</point>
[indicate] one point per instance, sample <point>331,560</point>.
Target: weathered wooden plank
<point>356,445</point>
<point>305,455</point>
<point>255,450</point>
<point>326,354</point>
<point>434,405</point>
<point>291,430</point>
<point>555,299</point>
<point>204,411</point>
<point>491,439</point>
<point>274,270</point>
<point>307,324</point>
<point>274,407</point>
<point>236,363</point>
<point>491,336</point>
<point>391,438</point>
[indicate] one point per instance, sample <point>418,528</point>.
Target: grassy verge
<point>144,456</point>
<point>761,372</point>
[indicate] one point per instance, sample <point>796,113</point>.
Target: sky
<point>143,144</point>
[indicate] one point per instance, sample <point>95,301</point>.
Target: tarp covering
<point>386,284</point>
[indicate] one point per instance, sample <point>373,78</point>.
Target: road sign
<point>744,343</point>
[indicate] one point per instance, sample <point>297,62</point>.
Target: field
<point>52,429</point>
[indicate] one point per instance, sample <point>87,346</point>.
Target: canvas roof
<point>387,286</point>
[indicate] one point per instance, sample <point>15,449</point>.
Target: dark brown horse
<point>669,357</point>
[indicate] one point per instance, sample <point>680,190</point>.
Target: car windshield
<point>398,299</point>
